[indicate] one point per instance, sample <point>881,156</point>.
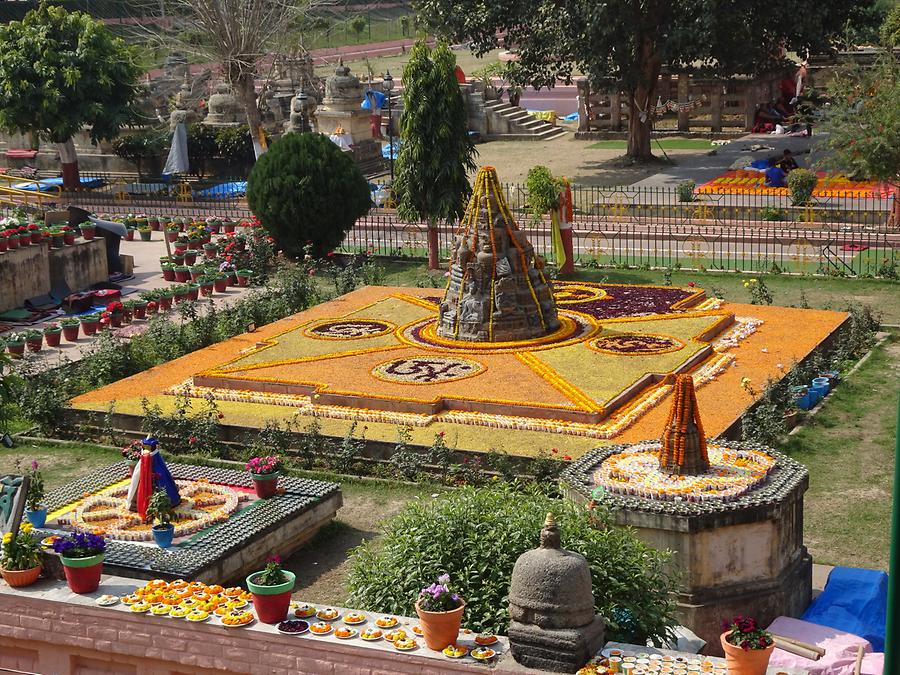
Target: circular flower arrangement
<point>202,505</point>
<point>573,293</point>
<point>635,471</point>
<point>427,370</point>
<point>635,344</point>
<point>349,330</point>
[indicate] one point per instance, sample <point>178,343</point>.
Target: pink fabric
<point>840,649</point>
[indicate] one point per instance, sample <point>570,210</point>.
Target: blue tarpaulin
<point>854,601</point>
<point>48,184</point>
<point>571,117</point>
<point>380,99</point>
<point>386,149</point>
<point>224,190</point>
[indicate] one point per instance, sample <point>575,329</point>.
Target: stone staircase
<point>511,122</point>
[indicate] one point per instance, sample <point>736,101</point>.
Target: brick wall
<point>45,629</point>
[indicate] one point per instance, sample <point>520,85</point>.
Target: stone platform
<point>223,552</point>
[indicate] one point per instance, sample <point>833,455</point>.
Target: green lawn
<point>666,143</point>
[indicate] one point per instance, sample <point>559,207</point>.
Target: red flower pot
<point>70,333</point>
<point>36,237</point>
<point>180,297</point>
<point>271,603</point>
<point>127,316</point>
<point>182,275</point>
<point>180,247</point>
<point>87,233</point>
<point>24,240</point>
<point>154,224</point>
<point>129,234</point>
<point>16,348</point>
<point>221,285</point>
<point>12,243</point>
<point>171,236</point>
<point>266,485</point>
<point>90,327</point>
<point>169,274</point>
<point>83,574</point>
<point>35,344</point>
<point>115,319</point>
<point>140,312</point>
<point>195,276</point>
<point>213,227</point>
<point>206,290</point>
<point>4,245</point>
<point>69,238</point>
<point>53,338</point>
<point>195,245</point>
<point>190,257</point>
<point>210,252</point>
<point>193,294</point>
<point>229,227</point>
<point>243,280</point>
<point>165,304</point>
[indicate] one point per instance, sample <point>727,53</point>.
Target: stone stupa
<point>498,291</point>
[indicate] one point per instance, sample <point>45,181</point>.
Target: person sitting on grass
<point>775,177</point>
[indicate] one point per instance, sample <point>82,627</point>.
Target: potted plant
<point>145,232</point>
<point>197,271</point>
<point>190,257</point>
<point>179,293</point>
<point>129,234</point>
<point>168,271</point>
<point>207,283</point>
<point>131,454</point>
<point>172,234</point>
<point>440,613</point>
<point>153,222</point>
<point>160,509</point>
<point>34,340</point>
<point>128,311</point>
<point>53,334</point>
<point>15,344</point>
<point>214,225</point>
<point>34,507</point>
<point>20,564</point>
<point>34,233</point>
<point>140,308</point>
<point>4,241</point>
<point>57,238</point>
<point>90,323</point>
<point>182,273</point>
<point>271,589</point>
<point>81,554</point>
<point>193,292</point>
<point>70,328</point>
<point>165,299</point>
<point>210,250</point>
<point>88,230</point>
<point>243,277</point>
<point>747,646</point>
<point>68,236</point>
<point>12,240</point>
<point>265,472</point>
<point>220,281</point>
<point>116,312</point>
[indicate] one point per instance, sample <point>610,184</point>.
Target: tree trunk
<point>245,89</point>
<point>641,99</point>
<point>434,257</point>
<point>68,157</point>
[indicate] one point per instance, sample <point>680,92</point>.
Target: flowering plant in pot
<point>34,498</point>
<point>128,311</point>
<point>34,232</point>
<point>20,562</point>
<point>116,313</point>
<point>34,340</point>
<point>131,453</point>
<point>182,273</point>
<point>271,589</point>
<point>160,510</point>
<point>244,277</point>
<point>440,613</point>
<point>70,328</point>
<point>89,323</point>
<point>68,235</point>
<point>15,344</point>
<point>220,281</point>
<point>140,308</point>
<point>265,472</point>
<point>81,554</point>
<point>129,234</point>
<point>53,334</point>
<point>88,230</point>
<point>145,232</point>
<point>207,284</point>
<point>747,646</point>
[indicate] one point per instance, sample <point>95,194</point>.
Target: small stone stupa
<point>683,450</point>
<point>498,291</point>
<point>551,606</point>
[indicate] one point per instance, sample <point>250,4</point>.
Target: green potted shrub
<point>15,344</point>
<point>271,589</point>
<point>265,472</point>
<point>210,250</point>
<point>166,296</point>
<point>153,222</point>
<point>145,232</point>
<point>168,271</point>
<point>161,512</point>
<point>172,233</point>
<point>440,613</point>
<point>88,230</point>
<point>179,292</point>
<point>70,328</point>
<point>197,271</point>
<point>128,311</point>
<point>68,235</point>
<point>34,340</point>
<point>129,234</point>
<point>140,308</point>
<point>801,183</point>
<point>57,238</point>
<point>53,334</point>
<point>193,291</point>
<point>214,225</point>
<point>90,323</point>
<point>35,510</point>
<point>81,554</point>
<point>220,282</point>
<point>4,241</point>
<point>190,257</point>
<point>182,273</point>
<point>20,563</point>
<point>747,647</point>
<point>207,284</point>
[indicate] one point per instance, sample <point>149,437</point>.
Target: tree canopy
<point>60,71</point>
<point>627,42</point>
<point>436,153</point>
<point>306,190</point>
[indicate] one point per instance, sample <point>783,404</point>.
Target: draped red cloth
<point>145,484</point>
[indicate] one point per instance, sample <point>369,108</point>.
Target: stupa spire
<point>683,450</point>
<point>498,291</point>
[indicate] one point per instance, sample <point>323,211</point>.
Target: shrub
<point>543,192</point>
<point>476,534</point>
<point>801,183</point>
<point>305,189</point>
<point>686,190</point>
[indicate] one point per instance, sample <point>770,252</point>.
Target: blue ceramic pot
<point>37,517</point>
<point>163,535</point>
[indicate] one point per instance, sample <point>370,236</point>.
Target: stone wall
<point>81,265</point>
<point>46,629</point>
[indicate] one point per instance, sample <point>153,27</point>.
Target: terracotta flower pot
<point>90,327</point>
<point>266,484</point>
<point>35,344</point>
<point>12,243</point>
<point>83,574</point>
<point>440,628</point>
<point>36,237</point>
<point>115,319</point>
<point>221,285</point>
<point>53,338</point>
<point>190,257</point>
<point>207,289</point>
<point>16,348</point>
<point>749,662</point>
<point>140,312</point>
<point>169,274</point>
<point>171,235</point>
<point>87,232</point>
<point>193,293</point>
<point>70,333</point>
<point>4,244</point>
<point>182,275</point>
<point>69,238</point>
<point>165,303</point>
<point>271,603</point>
<point>243,279</point>
<point>129,234</point>
<point>20,578</point>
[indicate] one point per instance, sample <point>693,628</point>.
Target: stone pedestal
<point>340,109</point>
<point>563,650</point>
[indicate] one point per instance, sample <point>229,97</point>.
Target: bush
<point>801,183</point>
<point>305,189</point>
<point>476,535</point>
<point>686,191</point>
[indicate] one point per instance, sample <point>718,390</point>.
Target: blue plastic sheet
<point>571,117</point>
<point>48,184</point>
<point>854,601</point>
<point>380,100</point>
<point>224,190</point>
<point>386,149</point>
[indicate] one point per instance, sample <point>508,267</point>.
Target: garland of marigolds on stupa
<point>675,433</point>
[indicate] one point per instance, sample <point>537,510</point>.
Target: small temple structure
<point>498,291</point>
<point>340,110</point>
<point>683,450</point>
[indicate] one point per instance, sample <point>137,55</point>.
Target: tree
<point>435,152</point>
<point>61,71</point>
<point>626,43</point>
<point>306,190</point>
<point>404,25</point>
<point>358,24</point>
<point>890,29</point>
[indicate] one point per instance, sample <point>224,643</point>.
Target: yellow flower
<point>7,537</point>
<point>746,284</point>
<point>26,528</point>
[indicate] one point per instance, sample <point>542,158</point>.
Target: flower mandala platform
<point>222,531</point>
<point>376,355</point>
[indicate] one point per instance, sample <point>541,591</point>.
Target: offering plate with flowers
<point>131,599</point>
<point>354,618</point>
<point>107,600</point>
<point>179,612</point>
<point>141,607</point>
<point>303,611</point>
<point>321,628</point>
<point>345,633</point>
<point>371,634</point>
<point>417,630</point>
<point>387,622</point>
<point>406,644</point>
<point>455,651</point>
<point>197,616</point>
<point>293,627</point>
<point>237,618</point>
<point>160,609</point>
<point>394,635</point>
<point>483,653</point>
<point>328,614</point>
<point>485,639</point>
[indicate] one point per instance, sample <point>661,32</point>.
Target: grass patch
<point>60,463</point>
<point>849,449</point>
<point>666,143</point>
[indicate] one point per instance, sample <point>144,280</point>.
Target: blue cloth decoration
<point>164,479</point>
<point>380,99</point>
<point>855,601</point>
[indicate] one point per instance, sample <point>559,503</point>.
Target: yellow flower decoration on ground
<point>7,537</point>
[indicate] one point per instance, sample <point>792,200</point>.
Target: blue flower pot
<point>37,517</point>
<point>805,402</point>
<point>821,383</point>
<point>163,535</point>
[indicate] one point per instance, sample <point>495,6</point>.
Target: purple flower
<point>34,465</point>
<point>455,597</point>
<point>444,579</point>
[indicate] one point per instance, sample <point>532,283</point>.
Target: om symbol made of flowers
<point>349,329</point>
<point>635,344</point>
<point>427,370</point>
<point>567,293</point>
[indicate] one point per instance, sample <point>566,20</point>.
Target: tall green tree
<point>435,153</point>
<point>61,71</point>
<point>626,43</point>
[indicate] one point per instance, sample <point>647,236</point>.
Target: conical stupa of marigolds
<point>683,450</point>
<point>498,291</point>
